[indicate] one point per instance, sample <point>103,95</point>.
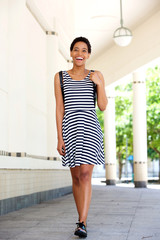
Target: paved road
<point>116,213</point>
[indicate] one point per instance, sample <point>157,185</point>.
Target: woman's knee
<point>86,173</point>
<point>75,175</point>
<point>76,180</point>
<point>85,177</point>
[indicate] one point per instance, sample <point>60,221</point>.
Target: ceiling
<point>95,19</point>
<point>98,19</point>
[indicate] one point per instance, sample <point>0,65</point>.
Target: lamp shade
<point>122,36</point>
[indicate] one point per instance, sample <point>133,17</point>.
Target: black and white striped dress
<point>82,133</point>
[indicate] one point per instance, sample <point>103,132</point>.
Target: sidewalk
<point>116,213</point>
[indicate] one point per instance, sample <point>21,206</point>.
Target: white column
<point>139,130</point>
<point>52,68</point>
<point>110,138</point>
<point>17,75</point>
<point>70,64</point>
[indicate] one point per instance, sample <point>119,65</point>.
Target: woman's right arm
<point>59,114</point>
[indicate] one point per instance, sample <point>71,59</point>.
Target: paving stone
<point>116,213</point>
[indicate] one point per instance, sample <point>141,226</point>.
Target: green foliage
<point>123,108</point>
<point>100,116</point>
<point>124,134</point>
<point>153,111</point>
<point>151,153</point>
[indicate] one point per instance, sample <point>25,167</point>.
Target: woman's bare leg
<point>75,173</point>
<point>85,190</point>
<point>82,189</point>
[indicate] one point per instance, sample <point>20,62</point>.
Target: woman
<point>80,139</point>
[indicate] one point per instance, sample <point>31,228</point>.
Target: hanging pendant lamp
<point>122,35</point>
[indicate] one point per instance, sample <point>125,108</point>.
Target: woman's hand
<point>61,147</point>
<point>94,77</point>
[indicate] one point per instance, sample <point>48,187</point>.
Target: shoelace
<point>81,225</point>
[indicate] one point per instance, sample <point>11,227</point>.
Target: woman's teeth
<point>79,58</point>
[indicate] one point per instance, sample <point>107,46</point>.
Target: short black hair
<point>81,39</point>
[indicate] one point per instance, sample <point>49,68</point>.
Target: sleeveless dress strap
<point>61,83</point>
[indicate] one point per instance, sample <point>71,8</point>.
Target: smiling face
<point>80,53</point>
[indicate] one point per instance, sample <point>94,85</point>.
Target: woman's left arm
<point>98,79</point>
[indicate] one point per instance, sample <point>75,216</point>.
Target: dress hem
<point>78,165</point>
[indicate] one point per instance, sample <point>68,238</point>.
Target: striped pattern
<point>78,95</point>
<point>82,133</point>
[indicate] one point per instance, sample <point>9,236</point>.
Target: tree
<point>124,133</point>
<point>123,124</point>
<point>153,113</point>
<point>100,116</point>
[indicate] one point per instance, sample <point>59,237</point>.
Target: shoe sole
<point>80,234</point>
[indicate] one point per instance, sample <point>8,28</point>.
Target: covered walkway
<point>35,44</point>
<point>116,213</point>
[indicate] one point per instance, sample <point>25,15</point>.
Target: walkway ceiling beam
<point>35,11</point>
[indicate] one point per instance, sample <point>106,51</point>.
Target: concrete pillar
<point>17,76</point>
<point>52,68</point>
<point>110,138</point>
<point>139,130</point>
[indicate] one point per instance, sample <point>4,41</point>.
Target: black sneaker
<point>81,230</point>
